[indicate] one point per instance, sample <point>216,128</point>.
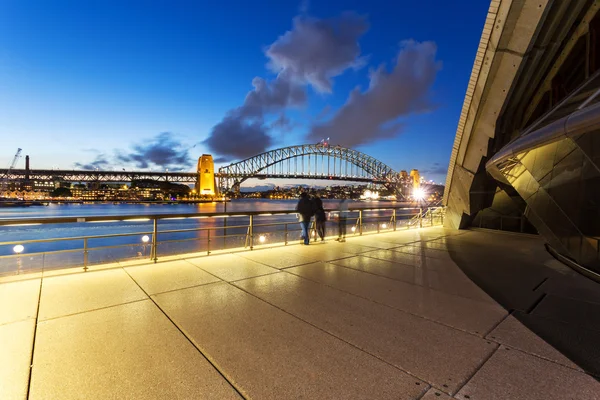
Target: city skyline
<point>111,86</point>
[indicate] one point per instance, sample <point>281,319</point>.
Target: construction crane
<point>14,161</point>
<point>10,167</point>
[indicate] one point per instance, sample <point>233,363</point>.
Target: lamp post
<point>145,240</point>
<point>18,249</point>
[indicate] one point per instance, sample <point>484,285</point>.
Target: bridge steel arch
<point>236,173</point>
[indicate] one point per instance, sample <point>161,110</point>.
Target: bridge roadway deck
<point>389,316</point>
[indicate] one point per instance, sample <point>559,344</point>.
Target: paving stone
<point>269,354</point>
<point>19,300</point>
<point>514,375</point>
<point>462,313</point>
<point>230,267</point>
<point>444,357</point>
<point>449,280</point>
<point>16,344</point>
<point>171,275</point>
<point>513,333</point>
<point>435,394</point>
<point>276,258</point>
<point>130,351</point>
<point>572,311</point>
<point>575,342</point>
<point>70,294</point>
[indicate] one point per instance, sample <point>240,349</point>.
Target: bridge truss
<point>96,176</point>
<point>309,161</point>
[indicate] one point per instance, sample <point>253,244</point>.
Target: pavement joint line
<point>37,313</point>
<point>3,278</point>
<point>469,379</point>
<point>536,303</point>
<point>497,324</point>
<point>410,283</point>
<point>252,277</point>
<point>428,384</point>
<point>188,287</point>
<point>581,370</point>
<point>540,284</point>
<point>388,306</point>
<point>407,282</point>
<point>15,321</point>
<point>239,392</point>
<point>91,310</point>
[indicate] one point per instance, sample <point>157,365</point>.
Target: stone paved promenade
<point>387,316</point>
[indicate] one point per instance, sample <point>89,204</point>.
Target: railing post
<point>85,254</point>
<point>360,226</point>
<point>420,217</point>
<point>251,231</point>
<point>394,219</point>
<point>208,243</point>
<point>286,234</point>
<point>431,216</point>
<point>154,252</point>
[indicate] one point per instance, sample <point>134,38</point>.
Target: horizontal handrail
<point>149,217</point>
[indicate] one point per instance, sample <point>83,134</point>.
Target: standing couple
<point>307,207</point>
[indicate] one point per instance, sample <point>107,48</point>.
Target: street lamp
<point>18,249</point>
<point>418,194</point>
<point>262,238</point>
<point>145,240</point>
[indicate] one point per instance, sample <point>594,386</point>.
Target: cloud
<point>316,50</point>
<point>272,96</point>
<point>374,114</point>
<point>161,151</point>
<point>283,124</point>
<point>237,138</point>
<point>100,162</point>
<point>312,53</point>
<point>323,113</point>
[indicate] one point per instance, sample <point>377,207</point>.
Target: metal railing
<point>200,233</point>
<point>430,216</point>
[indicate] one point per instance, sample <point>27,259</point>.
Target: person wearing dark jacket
<point>320,216</point>
<point>305,212</point>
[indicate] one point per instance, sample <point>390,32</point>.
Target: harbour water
<point>224,232</point>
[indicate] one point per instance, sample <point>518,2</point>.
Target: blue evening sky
<point>81,79</point>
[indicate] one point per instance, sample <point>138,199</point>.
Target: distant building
<point>205,185</point>
<point>416,178</point>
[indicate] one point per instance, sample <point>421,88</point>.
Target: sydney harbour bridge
<point>307,161</point>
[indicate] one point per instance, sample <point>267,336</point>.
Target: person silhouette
<point>305,212</point>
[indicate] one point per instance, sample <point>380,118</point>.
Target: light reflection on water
<point>135,246</point>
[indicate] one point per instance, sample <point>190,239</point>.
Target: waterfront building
<point>527,151</point>
<point>206,185</point>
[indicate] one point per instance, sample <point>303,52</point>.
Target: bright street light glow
<point>262,238</point>
<point>353,229</point>
<point>145,238</point>
<point>384,226</point>
<point>419,194</point>
<point>18,248</point>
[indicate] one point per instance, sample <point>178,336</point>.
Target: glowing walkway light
<point>262,238</point>
<point>18,248</point>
